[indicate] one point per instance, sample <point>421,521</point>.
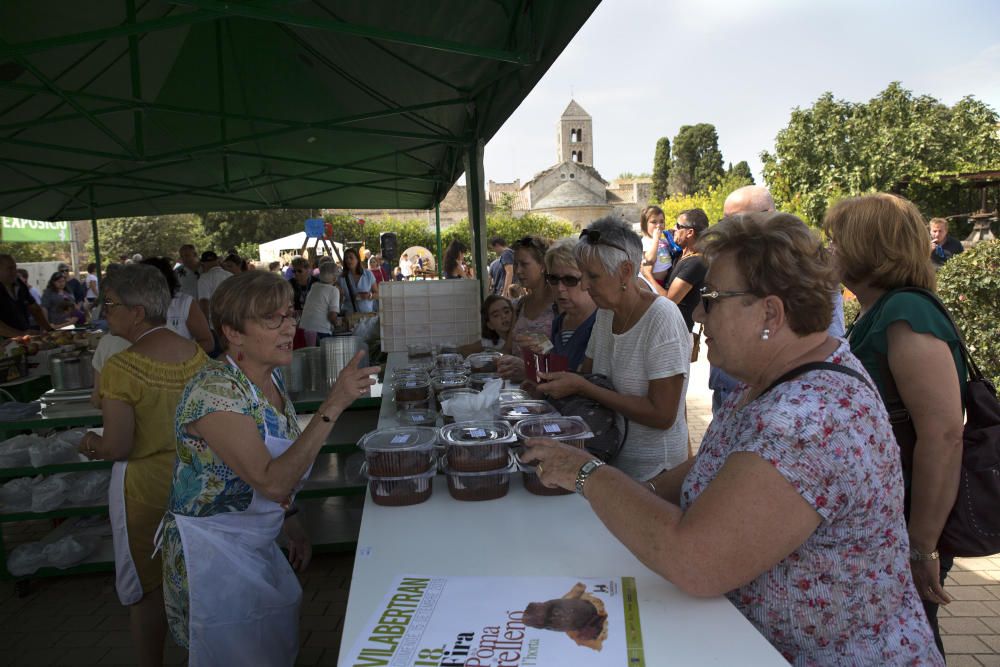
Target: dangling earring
<point>765,334</point>
<point>624,287</point>
<point>239,355</point>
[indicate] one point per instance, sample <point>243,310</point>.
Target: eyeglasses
<point>593,237</point>
<point>680,226</point>
<point>108,303</point>
<point>710,297</point>
<point>277,320</point>
<point>568,281</point>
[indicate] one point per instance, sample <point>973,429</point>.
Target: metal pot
<point>71,370</point>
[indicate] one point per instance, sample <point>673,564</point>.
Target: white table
<point>523,534</point>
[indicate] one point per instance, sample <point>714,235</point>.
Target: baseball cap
<point>209,256</point>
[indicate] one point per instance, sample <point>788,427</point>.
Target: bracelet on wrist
<point>586,470</point>
<point>916,556</point>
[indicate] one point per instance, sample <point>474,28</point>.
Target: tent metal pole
<point>437,226</point>
<point>93,230</point>
<point>477,209</point>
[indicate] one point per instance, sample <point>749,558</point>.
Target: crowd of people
<point>801,501</point>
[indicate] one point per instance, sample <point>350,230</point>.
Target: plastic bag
<point>14,452</point>
<point>72,436</point>
<point>53,450</point>
<point>69,550</point>
<point>89,488</point>
<point>49,493</point>
<point>466,407</point>
<point>15,495</point>
<point>25,559</point>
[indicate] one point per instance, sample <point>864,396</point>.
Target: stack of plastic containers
<point>571,431</point>
<point>477,459</point>
<point>400,464</point>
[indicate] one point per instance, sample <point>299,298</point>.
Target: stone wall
<point>555,176</point>
<point>578,216</point>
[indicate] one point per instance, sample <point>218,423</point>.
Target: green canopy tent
<point>133,107</point>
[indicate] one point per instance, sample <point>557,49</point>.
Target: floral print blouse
<point>203,485</point>
<point>845,596</point>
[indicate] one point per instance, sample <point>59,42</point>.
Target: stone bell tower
<point>575,136</point>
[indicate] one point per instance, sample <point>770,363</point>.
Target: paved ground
<point>78,621</point>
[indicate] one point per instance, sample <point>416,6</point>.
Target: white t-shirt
<point>91,282</point>
<point>107,347</point>
<point>321,300</point>
<point>209,281</point>
<point>188,280</point>
<point>658,266</point>
<point>657,346</point>
<point>490,345</point>
<point>406,267</point>
<point>177,315</point>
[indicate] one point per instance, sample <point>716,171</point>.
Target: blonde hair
<point>881,241</point>
<point>561,253</point>
<point>941,222</point>
<point>248,296</point>
<point>778,255</point>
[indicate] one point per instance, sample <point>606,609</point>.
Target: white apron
<point>243,596</point>
<point>126,577</point>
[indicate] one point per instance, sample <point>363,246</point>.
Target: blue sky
<point>643,68</point>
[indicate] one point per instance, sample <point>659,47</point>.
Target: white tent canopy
<point>272,250</point>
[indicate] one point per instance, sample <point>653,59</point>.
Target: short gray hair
<point>142,285</point>
<point>613,232</point>
<point>329,270</point>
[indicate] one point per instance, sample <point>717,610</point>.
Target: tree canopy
<point>696,164</point>
<point>837,148</point>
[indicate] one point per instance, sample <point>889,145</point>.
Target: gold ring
<point>539,469</point>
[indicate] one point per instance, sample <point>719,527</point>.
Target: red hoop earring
<point>239,355</point>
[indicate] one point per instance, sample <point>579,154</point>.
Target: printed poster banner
<point>17,230</point>
<point>503,622</point>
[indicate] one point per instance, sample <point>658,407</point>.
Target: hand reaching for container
<point>352,382</point>
<point>511,368</point>
<point>556,464</point>
<point>561,384</point>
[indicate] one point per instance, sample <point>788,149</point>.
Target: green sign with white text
<point>17,230</point>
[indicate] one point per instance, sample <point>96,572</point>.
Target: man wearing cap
<point>188,270</point>
<point>212,275</point>
<point>16,302</point>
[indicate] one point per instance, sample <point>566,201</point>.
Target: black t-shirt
<point>300,293</point>
<point>946,251</point>
<point>692,270</point>
<point>14,309</point>
<point>497,270</point>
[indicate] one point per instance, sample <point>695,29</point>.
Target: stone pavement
<point>78,621</point>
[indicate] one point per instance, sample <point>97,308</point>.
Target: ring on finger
<point>539,469</point>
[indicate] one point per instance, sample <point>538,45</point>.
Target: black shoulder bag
<point>973,527</point>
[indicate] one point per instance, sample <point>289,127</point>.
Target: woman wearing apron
<point>231,596</point>
<point>139,391</point>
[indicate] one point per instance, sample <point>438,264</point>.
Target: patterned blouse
<point>845,596</point>
<point>203,484</point>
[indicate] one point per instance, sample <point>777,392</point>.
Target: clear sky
<point>643,68</point>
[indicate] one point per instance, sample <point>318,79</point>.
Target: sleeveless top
<point>177,315</point>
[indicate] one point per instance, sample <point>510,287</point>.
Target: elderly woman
<point>231,597</point>
<point>640,343</point>
<point>139,391</point>
<point>322,306</point>
<point>793,507</point>
<point>914,355</point>
<point>182,319</point>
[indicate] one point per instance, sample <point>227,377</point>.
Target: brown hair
<point>485,314</point>
<point>536,245</point>
<point>881,241</point>
<point>778,255</point>
<point>248,296</point>
<point>644,217</point>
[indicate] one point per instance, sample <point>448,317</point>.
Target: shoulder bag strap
<point>818,366</point>
<point>350,290</point>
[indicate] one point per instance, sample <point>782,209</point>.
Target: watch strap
<point>586,470</point>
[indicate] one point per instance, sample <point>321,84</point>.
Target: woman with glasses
<point>640,343</point>
<point>139,391</point>
<point>793,507</point>
<point>572,327</point>
<point>231,596</point>
<point>914,354</point>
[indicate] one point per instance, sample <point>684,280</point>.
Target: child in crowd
<point>498,318</point>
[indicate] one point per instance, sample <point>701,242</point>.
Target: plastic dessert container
<point>569,430</point>
<point>477,446</point>
<point>417,417</point>
<point>451,393</point>
<point>402,490</point>
<point>449,360</point>
<point>514,411</point>
<point>508,395</point>
<point>419,351</point>
<point>399,452</point>
<point>483,362</point>
<point>533,485</point>
<point>478,380</point>
<point>411,388</point>
<point>475,486</point>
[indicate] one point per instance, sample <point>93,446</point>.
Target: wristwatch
<point>917,556</point>
<point>586,470</point>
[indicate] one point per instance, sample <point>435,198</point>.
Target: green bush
<point>852,308</point>
<point>969,285</point>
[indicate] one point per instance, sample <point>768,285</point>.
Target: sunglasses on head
<point>568,281</point>
<point>593,237</point>
<point>528,241</point>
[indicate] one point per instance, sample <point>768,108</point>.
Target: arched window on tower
<point>572,136</point>
<point>579,135</point>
